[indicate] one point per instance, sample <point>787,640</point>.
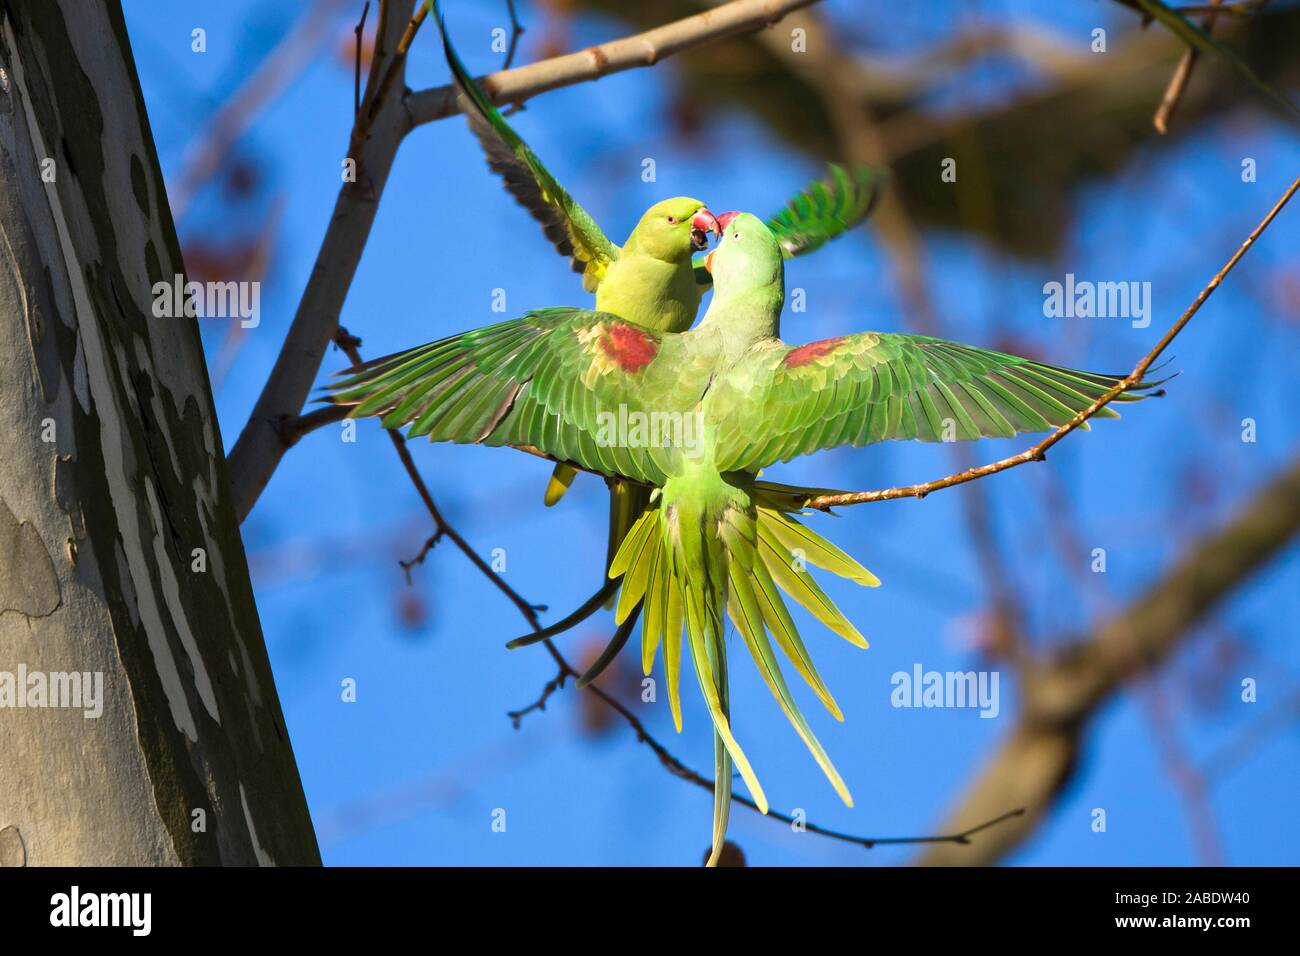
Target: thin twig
<point>412,27</point>
<point>516,31</point>
<point>1039,452</point>
<point>551,686</point>
<point>428,546</point>
<point>1182,73</point>
<point>962,838</point>
<point>294,428</point>
<point>1233,753</point>
<point>1192,786</point>
<point>356,83</point>
<point>391,72</point>
<point>683,772</point>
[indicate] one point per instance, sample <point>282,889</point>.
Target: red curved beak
<point>722,222</point>
<point>702,224</point>
<point>706,222</point>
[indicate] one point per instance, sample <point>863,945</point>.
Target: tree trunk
<point>120,556</point>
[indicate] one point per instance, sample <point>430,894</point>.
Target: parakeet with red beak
<point>714,541</point>
<point>652,280</point>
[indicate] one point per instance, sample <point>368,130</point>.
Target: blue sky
<point>412,772</point>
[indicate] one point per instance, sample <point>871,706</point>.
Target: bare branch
<point>1039,452</point>
<point>616,56</point>
<point>1183,73</point>
<point>293,429</point>
<point>260,445</point>
<point>396,66</point>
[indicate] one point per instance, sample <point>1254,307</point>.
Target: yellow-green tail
<point>627,503</point>
<point>687,576</point>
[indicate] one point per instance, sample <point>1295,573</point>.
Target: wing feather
<point>565,223</point>
<point>782,401</point>
<point>545,380</point>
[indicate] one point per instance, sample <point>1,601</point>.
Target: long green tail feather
<point>703,560</point>
<point>633,563</point>
<point>801,586</point>
<point>745,613</point>
<point>721,755</point>
<point>672,641</point>
<point>652,623</point>
<point>721,797</point>
<point>778,621</point>
<point>697,564</point>
<point>627,503</point>
<point>815,549</point>
<point>702,638</point>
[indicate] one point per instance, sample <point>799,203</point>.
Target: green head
<point>673,230</point>
<point>747,258</point>
<point>748,284</point>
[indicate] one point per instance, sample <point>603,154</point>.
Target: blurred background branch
<point>1064,690</point>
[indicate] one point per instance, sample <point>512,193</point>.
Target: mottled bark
<point>120,553</point>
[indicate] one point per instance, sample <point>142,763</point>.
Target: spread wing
<point>783,401</point>
<point>559,380</point>
<point>565,223</point>
<point>825,210</point>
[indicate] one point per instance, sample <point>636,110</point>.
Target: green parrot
<point>651,280</point>
<point>714,541</point>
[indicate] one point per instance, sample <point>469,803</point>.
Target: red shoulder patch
<point>629,347</point>
<point>811,352</point>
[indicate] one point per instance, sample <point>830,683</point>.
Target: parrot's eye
<point>672,220</point>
